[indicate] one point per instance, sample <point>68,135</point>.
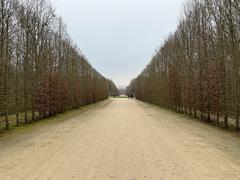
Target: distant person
<point>132,96</point>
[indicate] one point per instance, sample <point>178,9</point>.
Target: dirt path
<point>124,140</point>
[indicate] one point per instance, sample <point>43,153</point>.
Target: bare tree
<point>196,71</point>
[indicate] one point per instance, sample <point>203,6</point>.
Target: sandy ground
<point>123,140</point>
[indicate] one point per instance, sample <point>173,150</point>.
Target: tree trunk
<point>226,121</point>
<point>218,118</point>
<point>6,120</point>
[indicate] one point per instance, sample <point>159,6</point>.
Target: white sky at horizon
<point>119,37</point>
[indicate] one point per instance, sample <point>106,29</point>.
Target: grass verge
<point>24,128</point>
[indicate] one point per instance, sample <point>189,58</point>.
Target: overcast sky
<point>119,37</point>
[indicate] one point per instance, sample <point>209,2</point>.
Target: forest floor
<point>124,140</point>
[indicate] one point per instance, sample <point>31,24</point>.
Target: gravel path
<point>122,140</point>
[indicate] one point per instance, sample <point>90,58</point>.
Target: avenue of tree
<point>42,72</point>
<point>112,89</point>
<point>197,69</point>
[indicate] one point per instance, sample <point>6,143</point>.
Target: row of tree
<point>197,70</point>
<point>42,72</point>
<point>112,89</point>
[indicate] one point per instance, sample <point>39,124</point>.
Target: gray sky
<point>119,37</point>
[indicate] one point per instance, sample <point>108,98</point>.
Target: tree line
<point>112,89</point>
<point>197,69</point>
<point>42,72</point>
